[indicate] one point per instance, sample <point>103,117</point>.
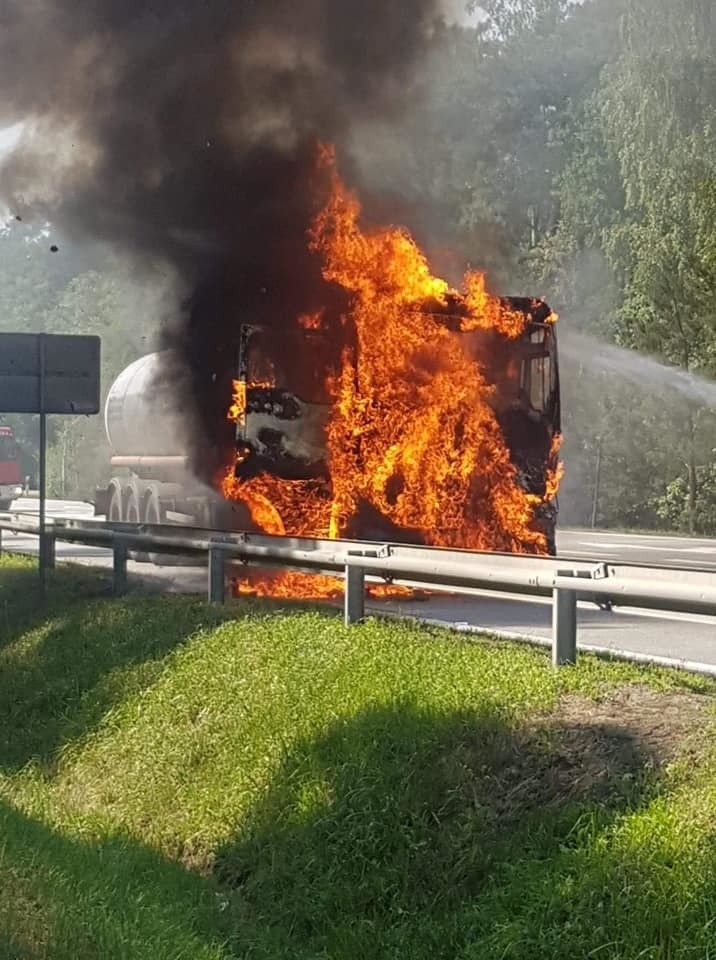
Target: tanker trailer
<point>152,480</point>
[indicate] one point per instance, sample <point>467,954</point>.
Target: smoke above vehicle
<point>209,137</point>
<point>187,133</point>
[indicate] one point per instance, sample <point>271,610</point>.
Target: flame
<point>487,312</point>
<point>311,321</point>
<point>394,591</point>
<point>288,584</point>
<point>237,410</point>
<point>555,471</point>
<point>239,390</point>
<point>412,435</point>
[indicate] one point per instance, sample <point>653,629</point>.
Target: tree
<point>506,19</point>
<point>637,197</point>
<point>476,159</point>
<point>657,106</point>
<point>30,276</point>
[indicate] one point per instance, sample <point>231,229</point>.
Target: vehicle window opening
<point>540,380</point>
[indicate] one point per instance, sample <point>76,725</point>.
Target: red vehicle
<point>10,480</point>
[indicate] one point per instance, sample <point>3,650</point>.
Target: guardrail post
<point>564,625</point>
<point>355,595</point>
<point>47,545</point>
<point>217,587</point>
<point>119,566</point>
<point>0,541</point>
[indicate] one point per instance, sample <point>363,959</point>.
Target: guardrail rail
<point>436,568</point>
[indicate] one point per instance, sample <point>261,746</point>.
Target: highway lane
<point>646,633</point>
<point>681,552</point>
<point>679,636</point>
<point>54,508</point>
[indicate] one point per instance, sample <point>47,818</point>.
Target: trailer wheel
<point>114,504</point>
<point>154,513</point>
<point>134,515</point>
<point>133,509</point>
<point>153,510</point>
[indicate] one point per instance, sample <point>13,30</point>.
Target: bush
<point>673,507</point>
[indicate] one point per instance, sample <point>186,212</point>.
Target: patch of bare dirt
<point>663,725</point>
<point>597,750</point>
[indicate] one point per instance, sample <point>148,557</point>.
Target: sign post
<point>48,373</point>
<point>42,557</point>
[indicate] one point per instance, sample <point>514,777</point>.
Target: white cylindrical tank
<point>140,414</point>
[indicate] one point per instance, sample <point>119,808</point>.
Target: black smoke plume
<point>186,130</point>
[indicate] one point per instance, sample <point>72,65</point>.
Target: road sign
<point>49,373</point>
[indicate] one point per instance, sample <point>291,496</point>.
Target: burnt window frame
<point>539,354</point>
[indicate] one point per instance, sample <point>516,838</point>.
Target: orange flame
<point>487,312</point>
<point>288,584</point>
<point>238,401</point>
<point>311,321</point>
<point>555,471</point>
<point>412,436</point>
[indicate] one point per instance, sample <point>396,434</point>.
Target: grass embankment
<point>184,782</point>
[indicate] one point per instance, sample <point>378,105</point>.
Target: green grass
<point>179,781</point>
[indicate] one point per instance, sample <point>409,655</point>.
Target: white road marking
<point>589,554</point>
<point>652,537</point>
<point>630,546</point>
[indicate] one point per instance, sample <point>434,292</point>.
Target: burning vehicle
<point>281,426</point>
<point>410,412</point>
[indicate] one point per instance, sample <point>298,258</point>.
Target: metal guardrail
<point>438,568</point>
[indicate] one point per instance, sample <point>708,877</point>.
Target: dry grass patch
<point>596,749</point>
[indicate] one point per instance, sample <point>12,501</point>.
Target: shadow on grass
<point>397,834</point>
<point>20,606</point>
<point>382,838</point>
<point>71,899</point>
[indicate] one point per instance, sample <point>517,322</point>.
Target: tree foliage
<point>603,178</point>
<point>637,198</point>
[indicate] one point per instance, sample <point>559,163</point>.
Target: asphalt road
<point>54,508</point>
<point>679,636</point>
<point>682,552</point>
